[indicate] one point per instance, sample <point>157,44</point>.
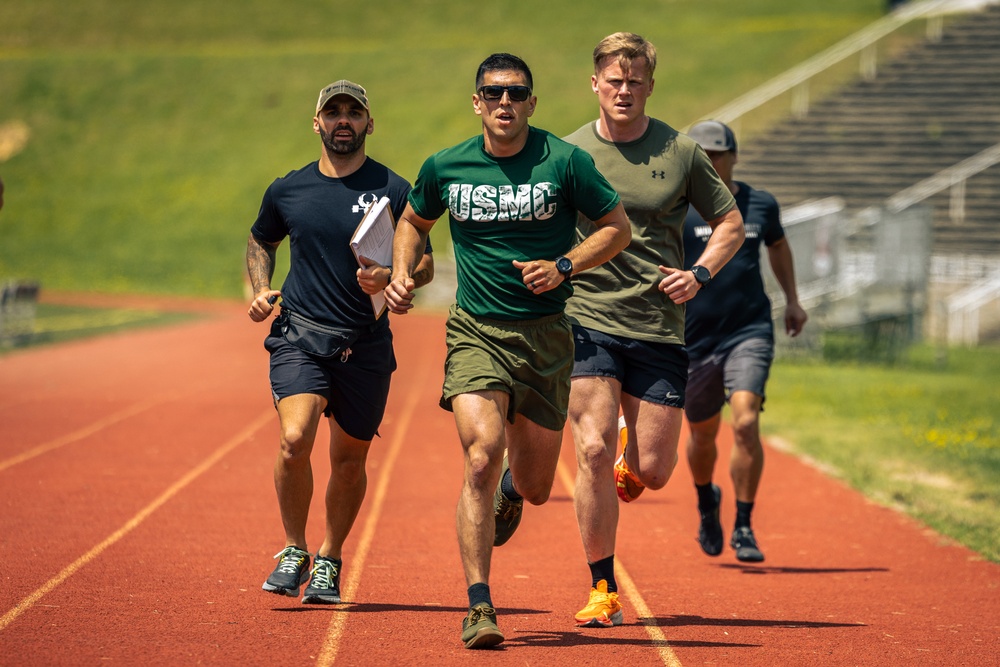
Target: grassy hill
<point>136,139</point>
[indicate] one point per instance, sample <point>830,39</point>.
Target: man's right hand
<point>399,294</point>
<point>263,305</point>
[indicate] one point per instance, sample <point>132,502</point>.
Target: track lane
<point>846,582</point>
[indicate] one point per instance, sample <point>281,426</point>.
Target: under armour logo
<point>659,174</point>
<point>365,202</point>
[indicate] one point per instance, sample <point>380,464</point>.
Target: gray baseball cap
<point>342,87</point>
<point>713,136</point>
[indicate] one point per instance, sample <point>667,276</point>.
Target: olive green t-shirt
<point>657,176</point>
<point>501,209</point>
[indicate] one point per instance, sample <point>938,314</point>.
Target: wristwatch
<point>564,265</point>
<point>702,275</point>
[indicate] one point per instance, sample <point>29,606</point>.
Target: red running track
<point>138,520</point>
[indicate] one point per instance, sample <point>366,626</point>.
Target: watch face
<point>564,265</point>
<point>701,274</point>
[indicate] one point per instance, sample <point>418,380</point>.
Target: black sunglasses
<point>516,93</point>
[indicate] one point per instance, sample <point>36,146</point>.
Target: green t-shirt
<point>657,177</point>
<point>501,209</point>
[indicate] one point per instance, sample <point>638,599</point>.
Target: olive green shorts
<point>531,360</point>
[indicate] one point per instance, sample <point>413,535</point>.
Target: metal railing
<point>862,43</point>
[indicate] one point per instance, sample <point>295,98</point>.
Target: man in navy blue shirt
<point>730,343</point>
<point>331,353</point>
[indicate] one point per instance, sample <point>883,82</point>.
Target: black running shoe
<point>292,572</point>
<point>324,584</point>
<point>746,546</point>
<point>710,530</point>
<point>506,512</point>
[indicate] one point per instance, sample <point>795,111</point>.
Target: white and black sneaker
<point>324,583</point>
<point>292,572</point>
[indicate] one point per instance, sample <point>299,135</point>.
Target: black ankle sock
<point>507,486</point>
<point>743,511</point>
<point>604,569</point>
<point>479,593</point>
<point>706,496</point>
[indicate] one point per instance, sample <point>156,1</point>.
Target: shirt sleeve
<point>426,197</point>
<point>706,191</point>
<point>270,225</point>
<point>593,195</point>
<point>773,231</point>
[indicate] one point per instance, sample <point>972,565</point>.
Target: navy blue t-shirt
<point>734,307</point>
<point>319,214</point>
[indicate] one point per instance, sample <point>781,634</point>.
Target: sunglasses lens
<point>492,92</point>
<point>518,93</point>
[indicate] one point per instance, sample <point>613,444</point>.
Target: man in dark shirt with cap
<point>730,343</point>
<point>331,353</point>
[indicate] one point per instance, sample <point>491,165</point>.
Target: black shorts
<point>713,379</point>
<point>652,372</point>
<point>356,389</point>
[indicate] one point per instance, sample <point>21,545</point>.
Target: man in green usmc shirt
<point>512,194</point>
<point>628,314</point>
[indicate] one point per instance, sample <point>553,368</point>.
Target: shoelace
<point>508,509</point>
<point>291,558</point>
<point>478,613</point>
<point>323,573</point>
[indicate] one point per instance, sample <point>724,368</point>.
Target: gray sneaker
<point>291,572</point>
<point>324,583</point>
<point>479,628</point>
<point>506,512</point>
<point>746,546</point>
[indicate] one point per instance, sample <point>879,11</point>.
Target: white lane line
<point>331,645</point>
<point>67,572</point>
<point>80,434</point>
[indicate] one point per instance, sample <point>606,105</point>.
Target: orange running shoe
<point>627,484</point>
<point>603,609</point>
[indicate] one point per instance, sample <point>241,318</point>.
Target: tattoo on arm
<point>260,264</point>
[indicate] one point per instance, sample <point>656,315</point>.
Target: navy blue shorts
<point>356,390</point>
<point>652,372</point>
<point>713,379</point>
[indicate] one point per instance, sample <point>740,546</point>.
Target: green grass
<point>922,435</point>
<point>59,323</point>
<point>153,129</point>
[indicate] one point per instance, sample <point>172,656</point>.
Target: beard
<point>338,147</point>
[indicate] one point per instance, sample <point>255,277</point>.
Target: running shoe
<point>603,609</point>
<point>506,512</point>
<point>746,546</point>
<point>627,484</point>
<point>479,628</point>
<point>324,583</point>
<point>292,571</point>
<point>710,530</point>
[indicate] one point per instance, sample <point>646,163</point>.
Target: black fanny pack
<point>314,338</point>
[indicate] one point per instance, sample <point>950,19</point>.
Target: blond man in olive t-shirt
<point>628,314</point>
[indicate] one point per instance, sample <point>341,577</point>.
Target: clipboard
<point>373,239</point>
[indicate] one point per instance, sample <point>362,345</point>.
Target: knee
<point>478,468</point>
<point>746,432</point>
<point>535,495</point>
<point>592,455</point>
<point>296,445</point>
<point>659,474</point>
<point>349,471</point>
